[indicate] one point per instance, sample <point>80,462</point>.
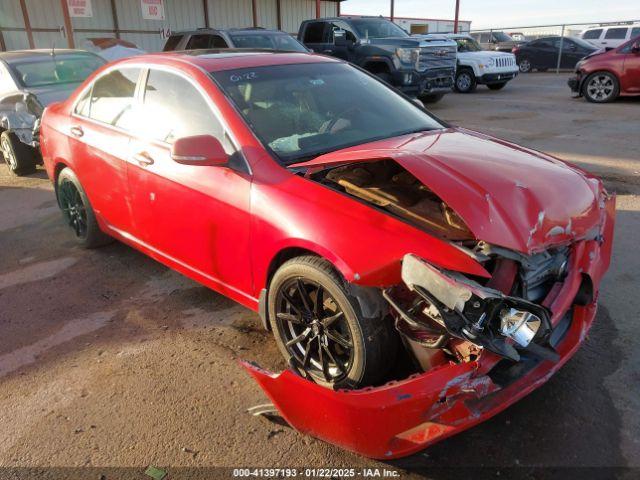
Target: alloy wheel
<point>524,65</point>
<point>314,329</point>
<point>7,153</point>
<point>73,208</point>
<point>463,82</point>
<point>600,88</point>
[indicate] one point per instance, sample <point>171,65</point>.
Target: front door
<point>99,140</point>
<point>195,217</point>
<point>630,81</point>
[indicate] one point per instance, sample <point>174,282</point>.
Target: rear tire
<point>497,86</point>
<point>21,159</point>
<point>431,98</point>
<point>465,81</point>
<point>350,351</point>
<point>77,211</point>
<point>601,87</point>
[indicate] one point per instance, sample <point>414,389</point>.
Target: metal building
<point>147,23</point>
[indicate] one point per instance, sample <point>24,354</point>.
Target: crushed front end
<point>478,345</point>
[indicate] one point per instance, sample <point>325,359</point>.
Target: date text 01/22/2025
<point>316,472</point>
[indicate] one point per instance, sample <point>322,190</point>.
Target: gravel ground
<point>108,359</point>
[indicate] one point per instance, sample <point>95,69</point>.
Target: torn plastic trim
<point>450,293</point>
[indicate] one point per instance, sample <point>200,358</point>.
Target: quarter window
<point>173,108</point>
<point>113,97</point>
<point>616,33</point>
<point>592,34</point>
<point>635,32</point>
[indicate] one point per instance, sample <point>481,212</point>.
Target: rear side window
<point>616,33</point>
<point>113,97</point>
<point>314,32</point>
<point>172,42</point>
<point>592,34</point>
<point>635,32</point>
<point>173,108</point>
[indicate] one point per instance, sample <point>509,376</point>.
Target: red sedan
<point>428,275</point>
<point>605,75</point>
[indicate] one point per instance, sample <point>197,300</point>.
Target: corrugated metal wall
<point>47,15</point>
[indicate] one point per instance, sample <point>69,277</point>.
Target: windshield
<point>583,43</point>
<point>56,69</point>
<point>304,110</point>
<point>502,37</point>
<point>377,28</point>
<point>268,41</point>
<point>468,45</point>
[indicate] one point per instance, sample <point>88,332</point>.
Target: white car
<point>612,36</point>
<point>481,67</point>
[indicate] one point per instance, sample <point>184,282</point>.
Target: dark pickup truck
<point>423,68</point>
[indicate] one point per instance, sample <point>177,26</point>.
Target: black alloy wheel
<point>73,207</point>
<point>314,329</point>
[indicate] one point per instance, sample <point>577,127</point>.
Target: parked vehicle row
<point>611,36</point>
<point>376,242</point>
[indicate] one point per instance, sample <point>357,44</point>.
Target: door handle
<point>143,159</point>
<point>77,131</point>
<point>327,51</point>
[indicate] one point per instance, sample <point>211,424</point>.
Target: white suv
<point>612,36</point>
<point>485,67</point>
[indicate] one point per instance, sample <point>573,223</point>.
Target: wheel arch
<point>377,65</point>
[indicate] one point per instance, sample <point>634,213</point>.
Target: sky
<point>503,13</point>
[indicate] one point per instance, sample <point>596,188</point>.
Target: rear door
<point>99,133</point>
<point>543,54</point>
<point>194,216</point>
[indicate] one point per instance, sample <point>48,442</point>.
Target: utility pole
<point>455,22</point>
<point>392,5</point>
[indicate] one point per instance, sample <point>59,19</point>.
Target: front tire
<point>465,81</point>
<point>525,65</point>
<point>497,86</point>
<point>77,211</point>
<point>320,329</point>
<point>20,158</point>
<point>601,87</point>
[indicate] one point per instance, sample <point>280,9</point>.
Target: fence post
<point>560,50</point>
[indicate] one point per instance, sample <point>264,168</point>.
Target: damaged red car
<point>417,277</point>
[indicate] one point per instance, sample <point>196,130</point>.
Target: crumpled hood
<point>507,195</point>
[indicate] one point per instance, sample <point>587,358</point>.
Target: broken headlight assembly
<point>443,310</point>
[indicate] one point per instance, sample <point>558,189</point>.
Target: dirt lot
<point>109,359</point>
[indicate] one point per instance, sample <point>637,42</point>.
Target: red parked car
<point>418,277</point>
<point>605,75</point>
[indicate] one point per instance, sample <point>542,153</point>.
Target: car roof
<point>213,60</point>
<point>17,55</point>
<point>248,30</point>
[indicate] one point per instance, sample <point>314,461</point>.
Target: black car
<point>542,54</point>
<point>418,66</point>
<point>256,38</point>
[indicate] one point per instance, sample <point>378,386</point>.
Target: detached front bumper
<point>403,417</point>
<point>575,83</point>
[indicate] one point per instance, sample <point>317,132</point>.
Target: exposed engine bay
<point>392,188</point>
<point>445,316</point>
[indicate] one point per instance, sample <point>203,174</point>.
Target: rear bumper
<point>403,417</point>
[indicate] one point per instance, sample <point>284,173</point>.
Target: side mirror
<point>635,48</point>
<point>340,38</point>
<point>204,150</point>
